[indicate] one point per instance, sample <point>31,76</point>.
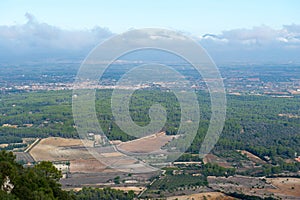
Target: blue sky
<point>231,31</point>
<point>192,16</point>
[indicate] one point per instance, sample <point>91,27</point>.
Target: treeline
<point>211,169</point>
<point>88,193</point>
<point>248,197</point>
<point>274,170</point>
<point>6,139</point>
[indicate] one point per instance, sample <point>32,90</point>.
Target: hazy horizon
<point>231,32</point>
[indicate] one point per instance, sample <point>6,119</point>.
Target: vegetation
<point>211,169</point>
<point>172,182</point>
<point>253,123</point>
<point>248,197</point>
<point>38,182</point>
<point>41,182</point>
<point>88,193</point>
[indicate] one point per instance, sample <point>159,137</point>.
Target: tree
<point>48,170</point>
<point>39,182</point>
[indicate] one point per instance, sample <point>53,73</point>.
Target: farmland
<point>203,195</point>
<point>84,166</point>
<point>59,149</point>
<point>256,142</point>
<point>146,144</point>
<point>286,188</point>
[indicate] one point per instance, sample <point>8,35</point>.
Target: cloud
<point>34,40</point>
<point>258,44</point>
<point>260,34</point>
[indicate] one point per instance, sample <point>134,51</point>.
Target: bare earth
<point>280,188</point>
<point>211,158</point>
<point>146,144</point>
<point>81,159</point>
<point>133,188</point>
<point>83,166</point>
<point>201,196</point>
<point>285,187</point>
<point>3,145</point>
<point>58,149</point>
<point>86,166</point>
<point>252,157</point>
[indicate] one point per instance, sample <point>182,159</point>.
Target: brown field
<point>81,159</point>
<point>85,169</point>
<point>252,157</point>
<point>201,196</point>
<point>86,166</point>
<point>211,158</point>
<point>106,165</point>
<point>112,154</point>
<point>133,188</point>
<point>281,188</point>
<point>285,186</point>
<point>3,145</point>
<point>57,149</point>
<point>146,144</point>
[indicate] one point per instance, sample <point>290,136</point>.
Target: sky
<point>194,16</point>
<point>230,30</point>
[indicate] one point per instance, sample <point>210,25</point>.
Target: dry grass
<point>201,196</point>
<point>3,145</point>
<point>133,188</point>
<point>86,166</point>
<point>285,186</point>
<point>57,149</point>
<point>81,159</point>
<point>252,157</point>
<point>136,190</point>
<point>112,154</point>
<point>211,158</point>
<point>146,144</point>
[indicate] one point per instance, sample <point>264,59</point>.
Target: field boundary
<point>32,145</point>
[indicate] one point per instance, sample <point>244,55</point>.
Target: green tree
<point>48,170</point>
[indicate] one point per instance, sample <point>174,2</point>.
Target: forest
<point>265,126</point>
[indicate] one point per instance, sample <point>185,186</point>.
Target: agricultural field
<point>284,187</point>
<point>135,189</point>
<point>252,157</point>
<point>146,144</point>
<point>88,166</point>
<point>255,142</point>
<point>84,166</point>
<point>60,149</point>
<point>211,158</point>
<point>201,196</point>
